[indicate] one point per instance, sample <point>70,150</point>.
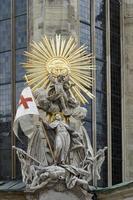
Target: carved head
<point>58,117</point>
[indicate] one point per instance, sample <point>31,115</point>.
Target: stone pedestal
<point>59,192</point>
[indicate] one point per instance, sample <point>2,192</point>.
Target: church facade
<point>106,28</point>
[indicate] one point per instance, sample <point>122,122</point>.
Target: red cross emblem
<point>24,101</point>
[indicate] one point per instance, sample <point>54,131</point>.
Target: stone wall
<point>118,192</point>
<point>12,196</point>
<point>128,90</point>
<point>52,17</point>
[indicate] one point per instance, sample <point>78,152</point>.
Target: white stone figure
<point>46,175</point>
<point>37,145</point>
<point>100,157</point>
<point>93,164</point>
<point>62,139</point>
<point>58,91</point>
<point>77,115</point>
<point>25,166</point>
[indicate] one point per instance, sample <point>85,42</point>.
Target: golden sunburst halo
<point>60,56</point>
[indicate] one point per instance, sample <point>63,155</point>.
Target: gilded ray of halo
<point>81,73</point>
<point>68,45</point>
<point>35,79</point>
<point>32,77</point>
<point>31,64</point>
<point>34,57</point>
<point>43,53</point>
<point>40,55</point>
<point>80,97</point>
<point>77,52</point>
<point>47,43</point>
<point>60,56</point>
<point>82,64</point>
<point>82,88</point>
<point>38,49</point>
<point>83,67</point>
<point>41,83</point>
<point>58,41</point>
<point>83,82</point>
<point>86,79</point>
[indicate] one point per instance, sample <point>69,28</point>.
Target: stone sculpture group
<point>59,149</point>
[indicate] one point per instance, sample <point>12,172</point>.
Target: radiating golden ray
<point>82,81</point>
<point>77,51</point>
<point>44,50</point>
<point>86,78</point>
<point>36,74</point>
<point>37,62</point>
<point>34,63</point>
<point>48,45</point>
<point>81,64</point>
<point>41,83</point>
<point>83,98</point>
<point>79,95</point>
<point>31,71</point>
<point>84,58</point>
<point>58,41</point>
<point>33,56</point>
<point>37,53</point>
<point>32,75</point>
<point>38,48</point>
<point>64,46</point>
<point>81,87</point>
<point>60,56</point>
<point>85,85</point>
<point>81,72</point>
<point>31,66</point>
<point>71,49</point>
<point>35,79</point>
<point>82,53</point>
<point>53,46</point>
<point>68,45</point>
<point>45,54</point>
<point>41,54</point>
<point>81,68</point>
<point>77,57</point>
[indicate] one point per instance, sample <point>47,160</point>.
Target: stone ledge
<point>120,192</point>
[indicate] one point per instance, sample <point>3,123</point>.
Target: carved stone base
<point>59,192</point>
